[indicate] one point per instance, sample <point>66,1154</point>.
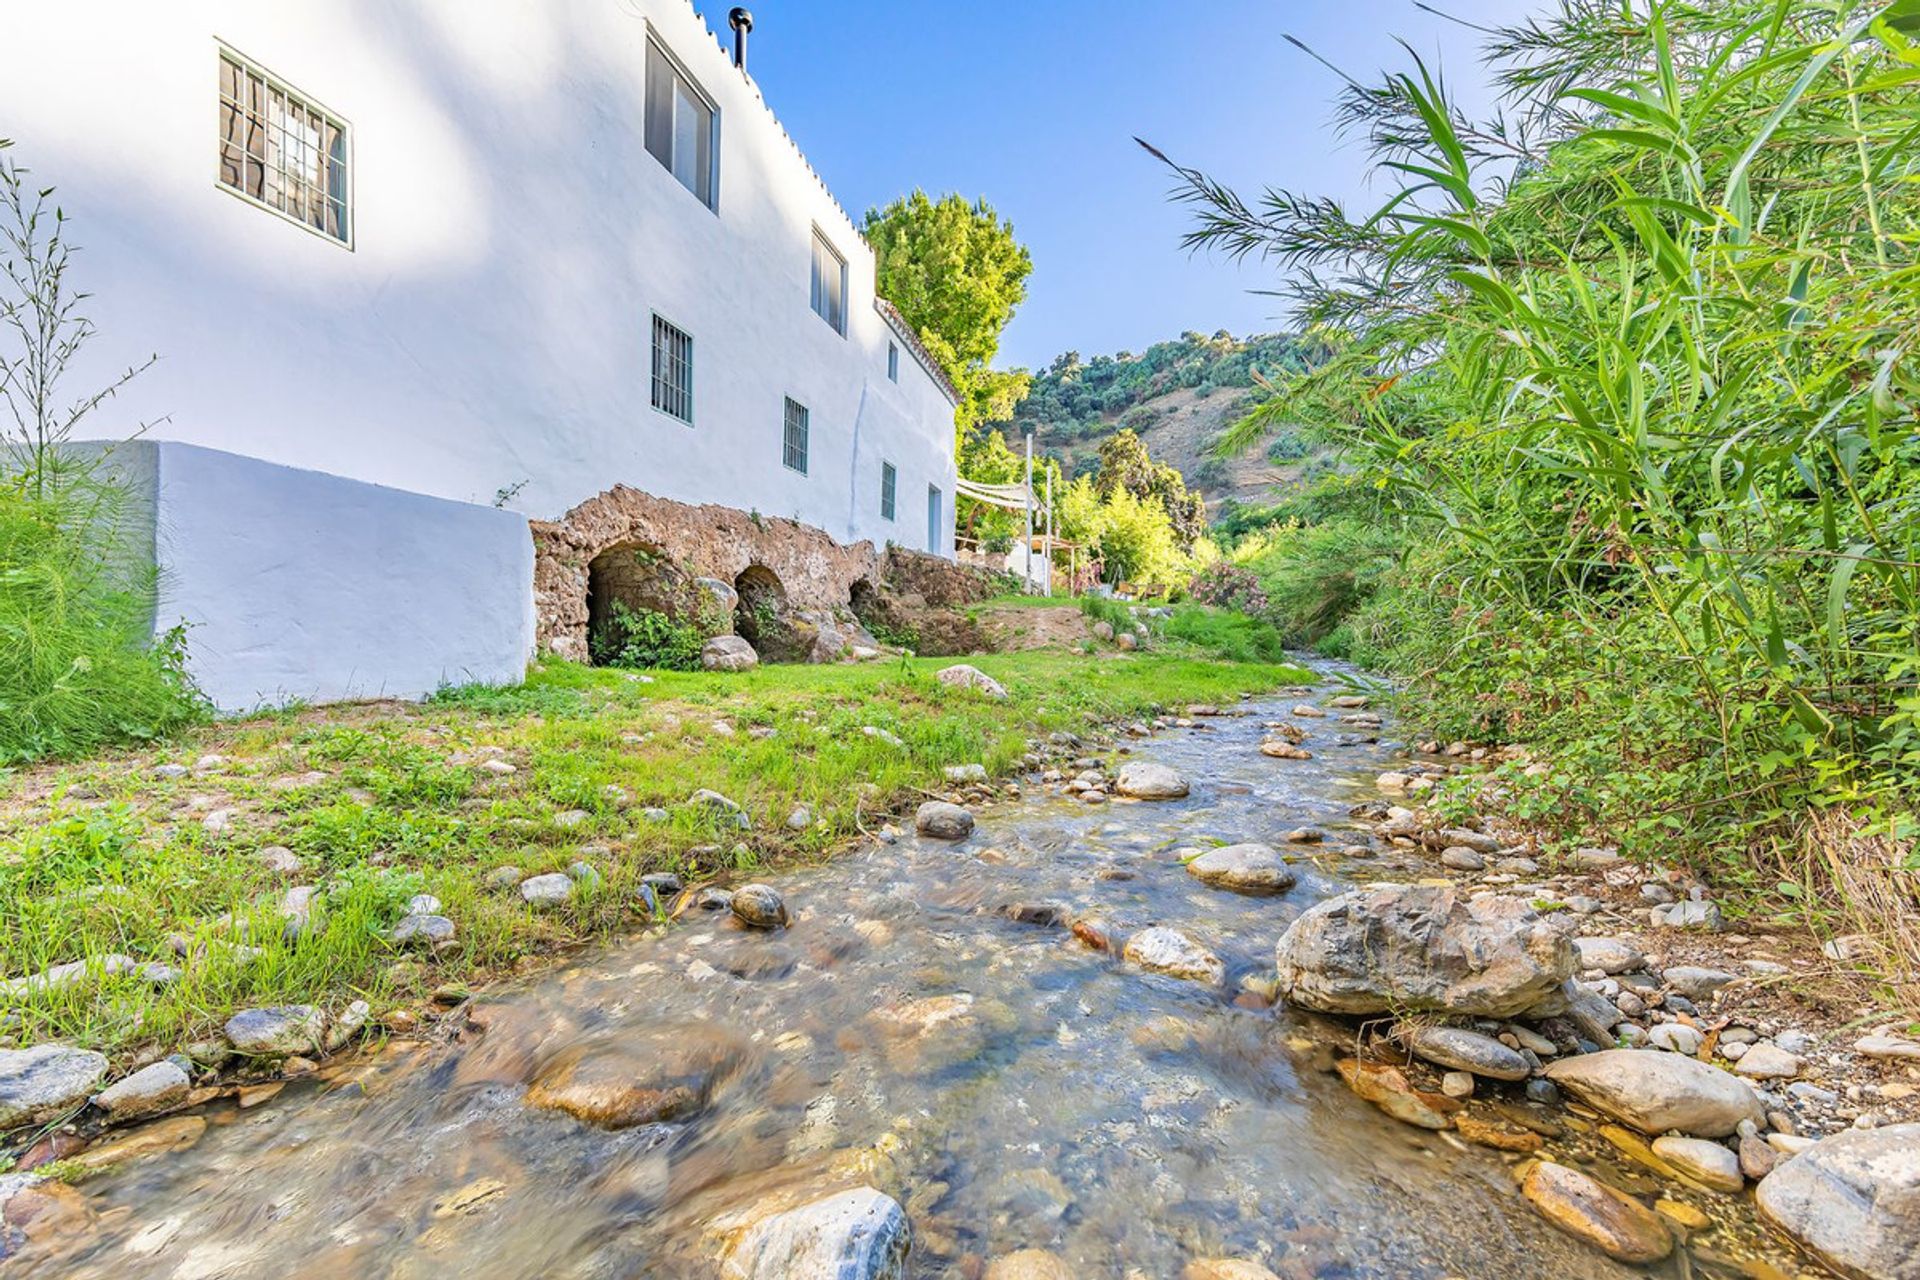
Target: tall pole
<point>1049,531</point>
<point>1026,550</point>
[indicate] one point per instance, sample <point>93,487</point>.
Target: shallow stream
<point>1013,1087</point>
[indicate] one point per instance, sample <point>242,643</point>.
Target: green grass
<point>380,802</point>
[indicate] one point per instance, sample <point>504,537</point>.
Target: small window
<point>893,362</point>
<point>829,284</point>
<point>936,519</point>
<point>672,371</point>
<point>889,482</point>
<point>282,150</point>
<point>681,130</point>
<point>793,451</point>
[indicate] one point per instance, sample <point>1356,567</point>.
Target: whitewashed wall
<point>490,326</point>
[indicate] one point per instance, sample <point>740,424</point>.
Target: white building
<point>500,252</point>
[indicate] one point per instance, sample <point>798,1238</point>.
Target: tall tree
<point>1127,467</point>
<point>957,274</point>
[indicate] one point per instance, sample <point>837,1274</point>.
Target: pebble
<point>1708,1163</point>
<point>942,821</point>
<point>759,906</point>
<point>552,890</point>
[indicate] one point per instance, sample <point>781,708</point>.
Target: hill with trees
<point>1178,396</point>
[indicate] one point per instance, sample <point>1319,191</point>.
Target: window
<point>282,150</point>
<point>681,125</point>
<point>829,284</point>
<point>672,371</point>
<point>889,481</point>
<point>935,524</point>
<point>893,362</point>
<point>793,451</point>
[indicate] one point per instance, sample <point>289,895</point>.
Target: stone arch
<point>639,575</point>
<point>760,616</point>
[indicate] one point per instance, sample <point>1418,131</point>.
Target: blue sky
<point>1035,105</point>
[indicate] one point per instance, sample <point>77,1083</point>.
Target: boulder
<point>278,1031</point>
<point>1145,780</point>
<point>1458,1049</point>
<point>44,1081</point>
<point>714,598</point>
<point>1853,1200</point>
<point>1410,949</point>
<point>942,821</point>
<point>962,676</point>
<point>853,1235</point>
<point>152,1088</point>
<point>1169,951</point>
<point>1243,868</point>
<point>728,653</point>
<point>1656,1092</point>
<point>1588,1209</point>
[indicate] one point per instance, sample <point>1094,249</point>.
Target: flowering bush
<point>1228,586</point>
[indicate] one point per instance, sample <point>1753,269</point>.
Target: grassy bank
<point>380,802</point>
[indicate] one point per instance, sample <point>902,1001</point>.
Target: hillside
<point>1178,396</point>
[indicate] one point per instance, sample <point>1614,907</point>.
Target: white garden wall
<point>300,585</point>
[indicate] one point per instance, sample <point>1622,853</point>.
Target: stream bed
<point>925,1026</point>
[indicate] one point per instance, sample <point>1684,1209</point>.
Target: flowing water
<point>1013,1087</point>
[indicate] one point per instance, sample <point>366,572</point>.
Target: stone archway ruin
<point>595,542</point>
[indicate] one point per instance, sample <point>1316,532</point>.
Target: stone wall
<point>815,574</point>
<point>938,581</point>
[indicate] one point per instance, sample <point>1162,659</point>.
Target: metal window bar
<point>889,486</point>
<point>794,439</point>
<point>279,149</point>
<point>672,371</point>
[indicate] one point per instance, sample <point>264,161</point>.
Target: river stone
<point>1588,1209</point>
<point>963,774</point>
<point>1707,1163</point>
<point>758,906</point>
<point>1169,951</point>
<point>1243,868</point>
<point>666,1073</point>
<point>277,1031</point>
<point>943,821</point>
<point>1888,1048</point>
<point>1031,1264</point>
<point>550,890</point>
<point>854,1235</point>
<point>1695,983</point>
<point>1656,1092</point>
<point>436,931</point>
<point>1767,1062</point>
<point>1226,1269</point>
<point>150,1089</point>
<point>44,1081</point>
<point>720,806</point>
<point>1854,1200</point>
<point>1387,1088</point>
<point>728,653</point>
<point>1422,948</point>
<point>1145,780</point>
<point>1609,955</point>
<point>962,676</point>
<point>1462,1050</point>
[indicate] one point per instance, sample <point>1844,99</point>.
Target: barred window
<point>672,370</point>
<point>829,288</point>
<point>793,451</point>
<point>889,483</point>
<point>282,150</point>
<point>893,362</point>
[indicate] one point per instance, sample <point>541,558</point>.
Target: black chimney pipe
<point>742,22</point>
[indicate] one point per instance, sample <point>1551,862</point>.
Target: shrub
<point>1225,634</point>
<point>633,637</point>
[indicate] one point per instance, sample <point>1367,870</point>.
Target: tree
<point>957,274</point>
<point>1125,465</point>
